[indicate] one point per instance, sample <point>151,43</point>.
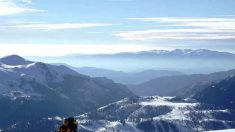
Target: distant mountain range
<point>125,77</point>
<point>174,53</point>
<point>31,90</point>
<point>183,60</point>
<point>181,85</point>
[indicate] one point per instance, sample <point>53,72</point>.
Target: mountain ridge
<point>126,77</point>
<point>171,86</point>
<point>220,94</point>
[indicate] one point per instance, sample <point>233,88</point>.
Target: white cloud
<point>60,26</point>
<point>180,34</point>
<point>10,7</point>
<point>183,19</point>
<point>184,28</point>
<point>27,1</point>
<point>212,23</point>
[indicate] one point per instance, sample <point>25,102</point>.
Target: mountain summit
<point>14,60</point>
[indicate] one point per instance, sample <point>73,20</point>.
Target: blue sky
<point>35,27</point>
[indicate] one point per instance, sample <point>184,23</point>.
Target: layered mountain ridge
<point>182,60</point>
<point>178,85</point>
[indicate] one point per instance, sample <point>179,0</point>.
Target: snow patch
<point>227,130</point>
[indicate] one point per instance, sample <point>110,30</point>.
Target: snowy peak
<point>14,60</point>
<point>20,76</point>
<point>191,52</point>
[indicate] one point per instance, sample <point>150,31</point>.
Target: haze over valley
<point>181,60</point>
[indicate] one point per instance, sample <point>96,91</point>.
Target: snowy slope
<point>157,114</point>
<point>15,70</point>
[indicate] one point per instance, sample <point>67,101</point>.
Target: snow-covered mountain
<point>15,70</point>
<point>152,114</point>
<point>193,53</point>
<point>211,108</point>
<point>31,90</point>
